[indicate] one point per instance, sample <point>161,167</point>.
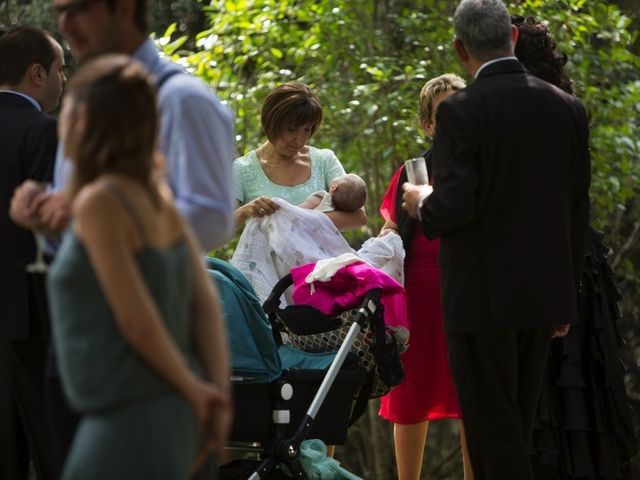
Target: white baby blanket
<point>292,236</point>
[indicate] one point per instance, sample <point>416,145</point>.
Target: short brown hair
<point>292,104</point>
<point>22,47</point>
<point>119,99</point>
<point>449,82</point>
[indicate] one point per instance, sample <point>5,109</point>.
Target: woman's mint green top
<point>99,369</point>
<point>251,181</point>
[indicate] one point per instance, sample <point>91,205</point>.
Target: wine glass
<point>39,265</point>
<point>416,169</point>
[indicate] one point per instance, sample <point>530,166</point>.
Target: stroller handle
<point>272,303</point>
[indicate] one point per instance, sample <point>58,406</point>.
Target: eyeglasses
<point>74,7</point>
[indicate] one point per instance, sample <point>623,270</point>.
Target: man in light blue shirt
<point>197,131</point>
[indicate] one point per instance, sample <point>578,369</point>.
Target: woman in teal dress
<point>134,314</point>
<point>284,166</point>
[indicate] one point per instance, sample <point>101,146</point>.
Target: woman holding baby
<point>285,166</point>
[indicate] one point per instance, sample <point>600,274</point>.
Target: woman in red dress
<point>428,392</point>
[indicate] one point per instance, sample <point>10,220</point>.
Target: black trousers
<point>498,376</point>
<point>35,420</point>
<point>23,425</point>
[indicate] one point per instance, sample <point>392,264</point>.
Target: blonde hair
<point>449,82</point>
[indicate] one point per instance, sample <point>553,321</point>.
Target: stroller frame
<point>286,449</point>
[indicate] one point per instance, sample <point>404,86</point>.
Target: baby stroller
<point>283,396</point>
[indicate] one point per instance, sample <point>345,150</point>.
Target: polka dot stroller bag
<point>373,350</point>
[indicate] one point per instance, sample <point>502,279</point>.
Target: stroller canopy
<point>254,354</point>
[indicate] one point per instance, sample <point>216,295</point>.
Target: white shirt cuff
<point>423,197</point>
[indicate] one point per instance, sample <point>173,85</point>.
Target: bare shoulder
<point>96,211</point>
<point>92,199</point>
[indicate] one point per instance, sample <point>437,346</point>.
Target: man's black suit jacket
<point>511,179</point>
<point>27,151</point>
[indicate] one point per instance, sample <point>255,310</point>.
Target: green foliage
<point>37,13</point>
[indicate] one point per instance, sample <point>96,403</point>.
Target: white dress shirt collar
<point>491,62</point>
<point>31,99</point>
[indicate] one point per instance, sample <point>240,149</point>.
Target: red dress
<point>428,392</point>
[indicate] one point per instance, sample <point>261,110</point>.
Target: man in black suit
<point>510,203</point>
<point>31,81</point>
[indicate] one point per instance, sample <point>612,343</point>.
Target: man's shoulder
<point>44,125</point>
<point>13,106</point>
<point>547,93</point>
<point>38,122</point>
<point>184,91</point>
<point>178,89</point>
<point>462,101</point>
<point>44,119</point>
<point>501,87</point>
<point>32,122</point>
<point>175,79</point>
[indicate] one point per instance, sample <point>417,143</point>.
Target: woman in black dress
<point>584,428</point>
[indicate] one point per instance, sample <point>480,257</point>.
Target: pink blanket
<point>347,288</point>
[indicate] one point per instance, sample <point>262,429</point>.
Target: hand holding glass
<point>417,171</point>
<point>39,265</point>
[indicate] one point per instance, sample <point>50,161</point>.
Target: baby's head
<point>348,193</point>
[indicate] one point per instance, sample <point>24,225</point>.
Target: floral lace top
<point>251,181</point>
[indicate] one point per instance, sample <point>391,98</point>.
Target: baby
<point>347,194</point>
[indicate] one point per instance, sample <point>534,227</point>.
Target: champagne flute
<point>416,169</point>
<point>39,265</point>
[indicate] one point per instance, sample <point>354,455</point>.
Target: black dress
<point>583,427</point>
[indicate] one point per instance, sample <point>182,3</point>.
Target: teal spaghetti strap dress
<point>134,425</point>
